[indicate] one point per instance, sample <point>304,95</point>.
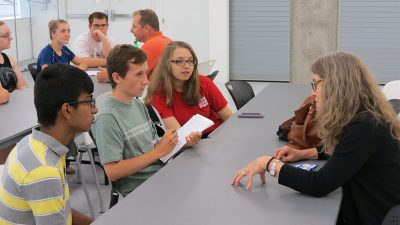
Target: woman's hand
<point>83,66</point>
<point>258,166</point>
<point>290,154</point>
<point>192,139</point>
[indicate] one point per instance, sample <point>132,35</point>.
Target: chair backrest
<point>392,90</point>
<point>114,195</point>
<point>205,67</point>
<point>213,75</point>
<point>32,67</point>
<point>157,120</point>
<point>393,216</point>
<point>241,92</point>
<point>395,104</point>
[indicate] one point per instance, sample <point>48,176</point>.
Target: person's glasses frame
<point>100,26</point>
<point>91,102</point>
<point>314,84</point>
<point>182,62</point>
<point>7,35</point>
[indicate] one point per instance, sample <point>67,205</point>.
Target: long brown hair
<point>161,82</point>
<point>349,89</point>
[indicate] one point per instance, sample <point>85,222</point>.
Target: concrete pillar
<point>314,32</point>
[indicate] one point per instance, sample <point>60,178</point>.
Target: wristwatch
<point>272,171</point>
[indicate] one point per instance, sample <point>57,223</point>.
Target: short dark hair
<point>97,15</point>
<point>56,85</point>
<point>118,60</point>
<point>148,17</point>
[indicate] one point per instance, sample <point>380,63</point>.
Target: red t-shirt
<point>212,101</point>
<point>154,48</point>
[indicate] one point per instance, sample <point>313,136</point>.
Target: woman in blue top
<point>56,51</point>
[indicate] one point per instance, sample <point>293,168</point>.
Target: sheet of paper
<point>197,123</point>
<point>92,72</point>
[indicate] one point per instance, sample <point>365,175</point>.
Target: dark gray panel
<point>259,45</point>
<point>371,29</point>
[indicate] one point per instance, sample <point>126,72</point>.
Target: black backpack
<point>8,79</point>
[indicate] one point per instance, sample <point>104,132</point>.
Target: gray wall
<point>314,29</point>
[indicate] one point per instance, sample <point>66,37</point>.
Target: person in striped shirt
<point>33,188</point>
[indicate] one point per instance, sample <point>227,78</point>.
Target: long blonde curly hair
<point>348,89</point>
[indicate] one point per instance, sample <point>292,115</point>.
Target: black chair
<point>241,92</point>
<point>32,67</point>
<point>114,193</point>
<point>97,163</point>
<point>213,75</point>
<point>156,118</point>
<point>393,216</point>
<point>395,104</point>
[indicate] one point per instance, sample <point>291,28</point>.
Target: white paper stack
<point>197,123</point>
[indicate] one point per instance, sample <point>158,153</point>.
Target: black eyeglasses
<point>91,102</point>
<point>314,84</point>
<point>98,26</point>
<point>181,62</point>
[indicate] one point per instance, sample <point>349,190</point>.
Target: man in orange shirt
<point>146,28</point>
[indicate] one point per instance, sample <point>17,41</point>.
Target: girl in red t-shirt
<point>178,92</point>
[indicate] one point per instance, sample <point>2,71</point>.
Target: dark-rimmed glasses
<point>91,102</point>
<point>314,84</point>
<point>181,62</point>
<point>100,26</point>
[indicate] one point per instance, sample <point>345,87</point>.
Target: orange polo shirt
<point>154,47</point>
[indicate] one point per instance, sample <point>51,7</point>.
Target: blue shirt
<point>49,56</point>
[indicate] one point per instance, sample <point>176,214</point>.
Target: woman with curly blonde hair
<point>361,134</point>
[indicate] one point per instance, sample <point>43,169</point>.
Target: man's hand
<point>100,34</point>
<point>167,143</point>
<point>102,75</point>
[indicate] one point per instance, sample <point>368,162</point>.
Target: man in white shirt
<point>95,43</point>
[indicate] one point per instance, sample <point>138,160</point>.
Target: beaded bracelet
<point>269,161</point>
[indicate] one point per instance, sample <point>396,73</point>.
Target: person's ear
<point>65,111</point>
<point>116,77</point>
<point>147,27</point>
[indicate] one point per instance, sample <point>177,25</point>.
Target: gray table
<point>195,187</point>
<point>18,116</point>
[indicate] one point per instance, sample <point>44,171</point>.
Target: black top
<point>7,62</point>
<point>365,163</point>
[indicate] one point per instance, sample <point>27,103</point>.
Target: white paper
<point>197,123</point>
<point>92,72</point>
